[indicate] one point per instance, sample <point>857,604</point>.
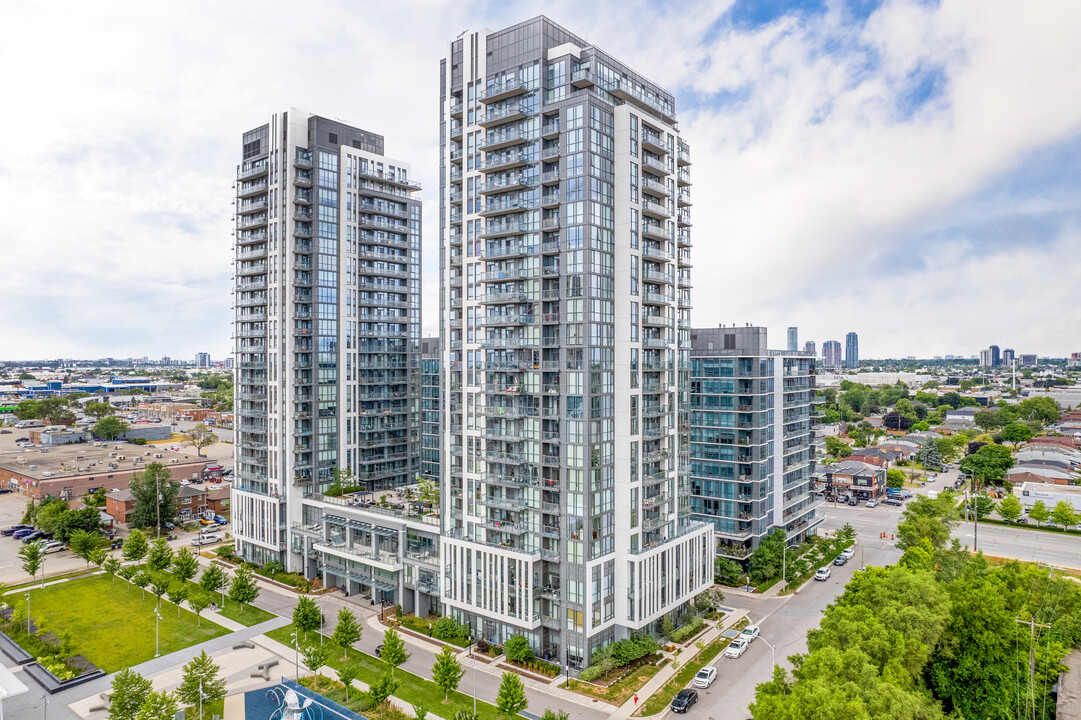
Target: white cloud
<point>118,157</point>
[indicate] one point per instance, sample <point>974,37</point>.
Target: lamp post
<point>157,635</point>
<point>27,613</point>
<point>296,656</point>
<point>773,657</point>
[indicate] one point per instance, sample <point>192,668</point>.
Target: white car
<point>872,503</point>
<point>705,677</point>
<point>736,648</point>
<point>749,633</point>
<point>206,540</point>
<point>848,552</point>
<point>823,573</point>
<point>54,546</point>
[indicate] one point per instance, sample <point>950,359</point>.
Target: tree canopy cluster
<point>935,636</point>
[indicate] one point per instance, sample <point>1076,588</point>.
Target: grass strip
<point>660,700</point>
<point>411,688</point>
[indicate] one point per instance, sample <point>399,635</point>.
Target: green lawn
<point>250,615</point>
<point>111,624</point>
<point>411,688</point>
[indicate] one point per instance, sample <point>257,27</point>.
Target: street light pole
<point>773,650</point>
<point>27,613</point>
<point>296,656</point>
<point>157,636</point>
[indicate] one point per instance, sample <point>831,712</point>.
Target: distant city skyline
<point>951,197</point>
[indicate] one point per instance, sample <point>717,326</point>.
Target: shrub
<point>446,628</point>
<point>518,650</point>
<point>482,645</point>
<point>596,670</point>
<point>138,441</point>
<point>688,630</point>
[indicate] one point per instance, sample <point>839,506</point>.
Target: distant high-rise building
<point>831,354</point>
<point>166,360</point>
<point>1028,361</point>
<point>565,316</point>
<point>996,357</point>
<point>809,346</point>
<point>985,358</point>
<point>751,491</point>
<point>793,339</point>
<point>327,330</point>
<point>1008,356</point>
<point>228,363</point>
<point>852,350</point>
<point>202,360</point>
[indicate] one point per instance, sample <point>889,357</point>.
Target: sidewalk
<point>668,671</point>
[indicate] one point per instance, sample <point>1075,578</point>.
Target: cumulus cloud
<point>839,158</point>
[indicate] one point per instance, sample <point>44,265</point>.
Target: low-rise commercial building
<point>853,477</point>
<point>1029,493</point>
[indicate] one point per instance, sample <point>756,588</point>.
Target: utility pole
<point>1032,625</point>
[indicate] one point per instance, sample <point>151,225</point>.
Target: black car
<point>36,535</point>
<point>891,500</point>
<point>11,530</point>
<point>683,701</point>
<point>840,560</point>
<point>853,501</point>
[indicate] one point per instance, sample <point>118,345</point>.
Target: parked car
<point>736,648</point>
<point>842,498</point>
<point>204,521</point>
<point>872,503</point>
<point>683,700</point>
<point>206,540</point>
<point>54,546</point>
<point>169,526</point>
<point>840,559</point>
<point>5,432</point>
<point>893,500</point>
<point>848,552</point>
<point>31,537</point>
<point>22,440</point>
<point>220,520</point>
<point>750,632</point>
<point>853,501</point>
<point>20,534</point>
<point>15,528</point>
<point>705,677</point>
<point>823,573</point>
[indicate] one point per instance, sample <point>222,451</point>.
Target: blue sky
<point>907,170</point>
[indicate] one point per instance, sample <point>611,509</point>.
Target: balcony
<point>495,141</point>
<point>515,182</point>
<point>656,165</point>
<point>505,162</point>
<point>251,188</point>
<point>550,130</point>
<point>654,142</point>
<point>251,206</point>
<point>503,91</point>
<point>495,116</point>
<point>256,169</point>
<point>656,231</point>
<point>501,207</point>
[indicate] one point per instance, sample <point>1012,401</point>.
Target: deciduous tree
<point>84,544</point>
<point>1039,512</point>
<point>1063,514</point>
<point>33,557</point>
<point>200,437</point>
<point>155,494</point>
<point>1016,433</point>
<point>306,615</point>
<point>243,588</point>
<point>158,706</point>
<point>198,602</point>
<point>201,676</point>
<point>511,699</point>
<point>127,694</point>
<point>347,631</point>
<point>393,653</point>
<point>447,671</point>
<point>1010,508</point>
<point>109,428</point>
<point>185,565</point>
<point>160,555</point>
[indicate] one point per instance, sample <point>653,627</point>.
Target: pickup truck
<point>206,540</point>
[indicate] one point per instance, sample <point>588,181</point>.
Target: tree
<point>158,706</point>
<point>160,555</point>
<point>212,579</point>
<point>83,544</point>
<point>929,455</point>
<point>110,428</point>
<point>347,631</point>
<point>306,616</point>
<point>511,699</point>
<point>447,671</point>
<point>1063,514</point>
<point>135,547</point>
<point>896,421</point>
<point>315,657</point>
<point>766,560</point>
<point>178,592</point>
<point>98,410</point>
<point>33,557</point>
<point>140,580</point>
<point>198,602</point>
<point>185,565</point>
<point>895,478</point>
<point>200,437</point>
<point>159,585</point>
<point>55,411</point>
<point>243,588</point>
<point>111,566</point>
<point>837,448</point>
<point>393,653</point>
<point>50,513</point>
<point>1010,508</point>
<point>201,675</point>
<point>127,694</point>
<point>1016,433</point>
<point>550,714</point>
<point>982,506</point>
<point>155,494</point>
<point>381,689</point>
<point>726,571</point>
<point>428,493</point>
<point>347,673</point>
<point>1039,512</point>
<point>87,519</point>
<point>517,649</point>
<point>989,463</point>
<point>928,519</point>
